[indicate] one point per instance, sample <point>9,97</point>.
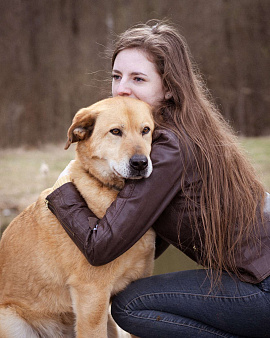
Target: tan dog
<point>47,287</point>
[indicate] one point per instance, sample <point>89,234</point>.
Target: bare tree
<point>52,58</point>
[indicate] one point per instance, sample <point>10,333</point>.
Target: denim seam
<point>196,295</point>
<point>129,312</point>
<point>175,323</point>
<point>266,293</point>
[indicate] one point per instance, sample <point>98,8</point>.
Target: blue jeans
<point>182,304</point>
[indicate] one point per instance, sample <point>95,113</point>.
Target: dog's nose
<point>138,162</point>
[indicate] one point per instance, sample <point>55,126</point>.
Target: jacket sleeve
<point>136,208</point>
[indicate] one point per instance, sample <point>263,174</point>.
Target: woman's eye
<point>145,130</point>
<point>138,79</point>
<point>116,132</point>
<point>115,77</point>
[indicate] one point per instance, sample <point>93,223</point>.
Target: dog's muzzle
<point>138,166</point>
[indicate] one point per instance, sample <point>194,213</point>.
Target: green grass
<point>258,151</point>
<point>21,183</point>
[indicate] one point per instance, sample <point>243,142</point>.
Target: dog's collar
<point>114,187</point>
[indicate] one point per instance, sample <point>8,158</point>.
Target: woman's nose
<point>123,89</point>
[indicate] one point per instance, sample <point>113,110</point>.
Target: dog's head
<point>114,139</point>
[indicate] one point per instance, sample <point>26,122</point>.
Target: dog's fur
<point>47,287</point>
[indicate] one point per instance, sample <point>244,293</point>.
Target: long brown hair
<point>230,192</point>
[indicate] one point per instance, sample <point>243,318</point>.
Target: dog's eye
<point>116,132</point>
<point>145,130</point>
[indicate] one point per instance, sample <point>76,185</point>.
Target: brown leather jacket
<point>156,202</point>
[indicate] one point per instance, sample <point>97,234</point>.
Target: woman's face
<point>135,76</point>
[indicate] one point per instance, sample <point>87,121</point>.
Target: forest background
<point>53,61</point>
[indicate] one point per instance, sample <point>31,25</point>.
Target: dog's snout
<point>138,162</point>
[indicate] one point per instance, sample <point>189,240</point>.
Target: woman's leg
<point>182,304</point>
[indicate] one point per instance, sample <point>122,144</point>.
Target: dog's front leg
<point>90,305</point>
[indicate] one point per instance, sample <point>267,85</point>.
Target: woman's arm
<point>136,208</point>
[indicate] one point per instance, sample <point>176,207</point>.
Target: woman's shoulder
<point>162,134</point>
<point>169,137</point>
<point>179,149</point>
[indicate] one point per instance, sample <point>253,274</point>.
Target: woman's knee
<point>127,302</point>
<point>119,307</point>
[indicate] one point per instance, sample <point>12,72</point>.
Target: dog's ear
<point>82,126</point>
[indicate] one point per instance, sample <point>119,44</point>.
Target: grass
<point>258,151</point>
<point>22,180</point>
<point>21,174</point>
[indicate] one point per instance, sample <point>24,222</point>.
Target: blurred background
<point>53,61</point>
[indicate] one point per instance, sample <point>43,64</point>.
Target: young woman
<point>203,197</point>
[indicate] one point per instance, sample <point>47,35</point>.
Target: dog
<point>47,287</point>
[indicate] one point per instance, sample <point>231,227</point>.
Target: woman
<point>202,197</point>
